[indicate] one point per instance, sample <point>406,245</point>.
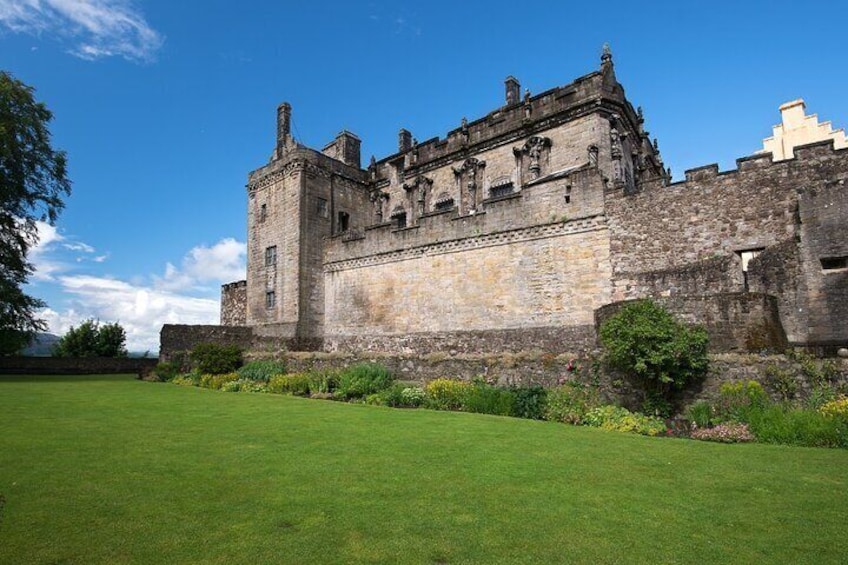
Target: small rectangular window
<point>321,208</point>
<point>568,195</point>
<point>263,212</point>
<point>270,299</point>
<point>834,263</point>
<point>344,222</point>
<point>271,256</point>
<point>400,220</point>
<point>502,189</point>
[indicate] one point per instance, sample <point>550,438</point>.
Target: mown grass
<point>113,470</point>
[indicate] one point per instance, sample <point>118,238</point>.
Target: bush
<point>737,400</point>
<point>569,402</point>
<point>724,433</point>
<point>645,341</point>
<point>297,384</point>
<point>323,382</point>
<point>530,402</point>
<point>214,359</point>
<point>781,381</point>
<point>216,382</point>
<point>262,370</point>
<point>700,414</point>
<point>792,426</point>
<point>188,379</point>
<point>361,380</point>
<point>166,371</point>
<point>244,385</point>
<point>483,398</point>
<point>837,408</point>
<point>619,419</point>
<point>398,395</point>
<point>446,394</point>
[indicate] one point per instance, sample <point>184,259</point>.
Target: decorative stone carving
<point>468,172</point>
<point>534,148</point>
<point>378,199</point>
<point>593,156</point>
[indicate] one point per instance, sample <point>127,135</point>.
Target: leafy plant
<point>91,339</point>
<point>483,398</point>
<point>781,381</point>
<point>616,418</point>
<point>211,358</point>
<point>446,394</point>
<point>217,381</point>
<point>569,402</point>
<point>644,340</point>
<point>530,402</point>
<point>700,414</point>
<point>737,400</point>
<point>297,384</point>
<point>262,370</point>
<point>724,433</point>
<point>244,385</point>
<point>360,380</point>
<point>166,371</point>
<point>837,408</point>
<point>794,426</point>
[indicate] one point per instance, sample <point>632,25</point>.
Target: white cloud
<point>222,263</point>
<point>95,28</point>
<point>48,256</point>
<point>140,310</point>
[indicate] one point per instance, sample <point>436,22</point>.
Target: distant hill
<point>41,346</point>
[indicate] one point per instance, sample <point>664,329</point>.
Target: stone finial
<point>606,54</point>
<point>513,90</point>
<point>404,140</point>
<point>640,115</point>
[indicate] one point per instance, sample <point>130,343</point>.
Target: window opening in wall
<point>399,217</point>
<point>321,208</point>
<point>834,263</point>
<point>271,256</point>
<point>270,299</point>
<point>263,212</point>
<point>344,222</point>
<point>747,256</point>
<point>568,194</point>
<point>501,189</point>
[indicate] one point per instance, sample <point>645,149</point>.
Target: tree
<point>644,340</point>
<point>33,182</point>
<point>91,339</point>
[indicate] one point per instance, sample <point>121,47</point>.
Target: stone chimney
<point>513,90</point>
<point>344,148</point>
<point>283,126</point>
<point>404,140</point>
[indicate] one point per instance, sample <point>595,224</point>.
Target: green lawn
<point>114,470</point>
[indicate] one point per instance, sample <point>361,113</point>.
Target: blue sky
<point>164,107</point>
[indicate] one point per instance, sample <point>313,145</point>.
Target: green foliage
<point>570,402</point>
<point>187,379</point>
<point>657,405</point>
<point>215,359</point>
<point>262,370</point>
<point>483,398</point>
<point>644,340</point>
<point>33,183</point>
<point>217,381</point>
<point>323,381</point>
<point>91,339</point>
<point>529,402</point>
<point>794,426</point>
<point>737,400</point>
<point>166,371</point>
<point>244,385</point>
<point>836,408</point>
<point>360,380</point>
<point>781,381</point>
<point>398,395</point>
<point>446,394</point>
<point>700,414</point>
<point>724,433</point>
<point>818,372</point>
<point>297,384</point>
<point>618,419</point>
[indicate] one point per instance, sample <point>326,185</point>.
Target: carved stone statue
<point>593,156</point>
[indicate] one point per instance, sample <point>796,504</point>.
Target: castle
<point>522,229</point>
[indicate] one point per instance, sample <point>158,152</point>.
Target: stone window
<point>834,263</point>
<point>568,194</point>
<point>263,212</point>
<point>747,256</point>
<point>399,217</point>
<point>271,256</point>
<point>270,299</point>
<point>321,208</point>
<point>343,222</point>
<point>501,187</point>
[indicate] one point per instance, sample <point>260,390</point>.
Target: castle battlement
<point>529,220</point>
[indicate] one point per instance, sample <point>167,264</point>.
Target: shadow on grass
<point>65,378</point>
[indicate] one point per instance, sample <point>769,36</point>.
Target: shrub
<point>323,382</point>
<point>724,433</point>
<point>166,371</point>
<point>837,408</point>
<point>700,414</point>
<point>188,379</point>
<point>214,359</point>
<point>412,396</point>
<point>297,384</point>
<point>262,370</point>
<point>645,341</point>
<point>737,400</point>
<point>361,380</point>
<point>398,395</point>
<point>569,402</point>
<point>781,381</point>
<point>244,385</point>
<point>530,402</point>
<point>446,394</point>
<point>483,398</point>
<point>792,426</point>
<point>216,382</point>
<point>616,418</point>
